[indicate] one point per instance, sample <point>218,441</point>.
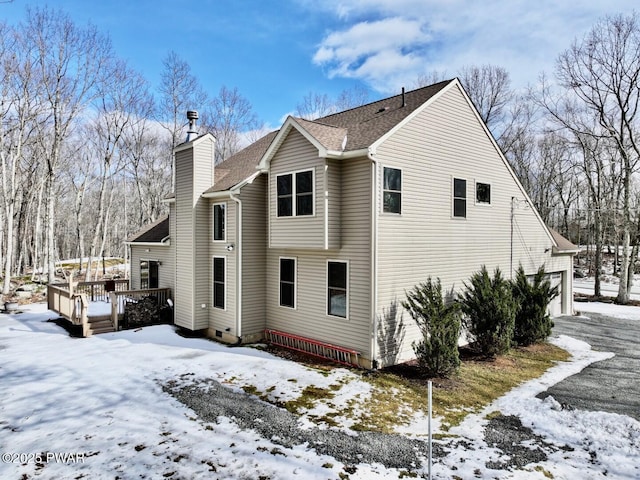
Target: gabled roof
<point>348,131</point>
<point>240,166</point>
<point>157,232</point>
<point>563,245</point>
<point>370,122</point>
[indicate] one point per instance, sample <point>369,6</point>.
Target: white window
<point>459,198</point>
<point>337,288</point>
<point>288,282</point>
<point>219,280</point>
<point>392,190</point>
<point>219,222</point>
<point>295,194</point>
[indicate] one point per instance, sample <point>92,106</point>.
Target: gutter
<point>374,257</point>
<point>234,197</point>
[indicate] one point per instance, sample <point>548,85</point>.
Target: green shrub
<point>533,323</point>
<point>490,310</point>
<point>439,323</point>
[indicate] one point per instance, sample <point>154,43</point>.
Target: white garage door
<point>555,307</point>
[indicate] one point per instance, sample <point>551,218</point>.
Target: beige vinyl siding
<point>184,241</point>
<point>297,154</point>
<point>194,174</point>
<point>334,203</point>
<point>443,142</point>
<point>162,254</point>
<point>219,319</point>
<point>310,318</point>
<point>254,256</point>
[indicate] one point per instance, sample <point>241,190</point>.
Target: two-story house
<point>318,229</point>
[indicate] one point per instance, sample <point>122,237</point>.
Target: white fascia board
<point>220,194</point>
<point>333,154</point>
<point>289,123</point>
<point>168,200</point>
<point>194,142</point>
<point>164,243</point>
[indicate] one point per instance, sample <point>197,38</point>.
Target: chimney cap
<point>192,115</point>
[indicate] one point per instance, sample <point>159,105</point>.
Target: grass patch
<point>398,391</point>
<point>309,396</point>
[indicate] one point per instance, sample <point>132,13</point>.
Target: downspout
<point>374,258</point>
<point>238,268</point>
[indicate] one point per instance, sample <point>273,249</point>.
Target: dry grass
<point>401,391</point>
<point>477,384</point>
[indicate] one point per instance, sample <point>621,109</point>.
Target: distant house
<point>318,229</point>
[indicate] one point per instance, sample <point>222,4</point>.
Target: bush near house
<point>532,323</point>
<point>490,311</point>
<point>439,322</point>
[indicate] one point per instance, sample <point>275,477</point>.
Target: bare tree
<point>18,111</point>
<point>228,115</point>
<point>489,87</point>
<point>315,105</point>
<point>69,61</point>
<point>602,73</point>
<point>179,91</point>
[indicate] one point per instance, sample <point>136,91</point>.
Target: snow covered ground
<point>94,408</point>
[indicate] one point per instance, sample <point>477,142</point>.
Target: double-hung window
<point>219,221</point>
<point>288,282</point>
<point>219,276</point>
<point>337,288</point>
<point>295,194</point>
<point>459,198</point>
<point>392,190</point>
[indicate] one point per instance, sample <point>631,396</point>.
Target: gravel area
<point>518,443</point>
<point>210,400</point>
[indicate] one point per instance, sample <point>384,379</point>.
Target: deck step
<point>100,324</point>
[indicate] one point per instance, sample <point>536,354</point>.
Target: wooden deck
<point>73,303</point>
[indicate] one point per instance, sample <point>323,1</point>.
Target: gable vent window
<point>459,198</point>
<point>392,190</point>
<point>483,193</point>
<point>295,194</point>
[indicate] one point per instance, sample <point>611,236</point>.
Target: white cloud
<point>389,43</point>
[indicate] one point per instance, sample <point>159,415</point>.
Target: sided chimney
<point>192,133</point>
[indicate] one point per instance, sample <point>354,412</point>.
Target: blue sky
<point>275,52</point>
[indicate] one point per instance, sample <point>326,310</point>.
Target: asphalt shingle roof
<point>154,233</point>
<point>361,126</point>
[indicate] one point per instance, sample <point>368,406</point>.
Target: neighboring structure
<point>319,229</point>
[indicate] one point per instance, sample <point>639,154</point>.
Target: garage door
<point>555,307</point>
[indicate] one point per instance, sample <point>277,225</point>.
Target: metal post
<point>429,424</point>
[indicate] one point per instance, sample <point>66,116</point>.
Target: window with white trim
<point>288,282</point>
<point>392,190</point>
<point>219,281</point>
<point>219,222</point>
<point>295,194</point>
<point>483,193</point>
<point>337,288</point>
<point>459,198</point>
<point>149,274</point>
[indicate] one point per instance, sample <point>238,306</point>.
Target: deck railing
<point>74,306</point>
<point>119,300</point>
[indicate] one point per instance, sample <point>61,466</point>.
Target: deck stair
<point>99,324</point>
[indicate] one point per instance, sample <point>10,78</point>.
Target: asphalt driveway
<point>611,385</point>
